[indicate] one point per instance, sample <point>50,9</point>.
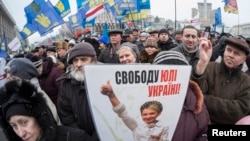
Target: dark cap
<point>127,32</point>
<point>115,31</point>
<point>239,43</point>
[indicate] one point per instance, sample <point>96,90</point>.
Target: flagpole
<point>175,16</point>
<point>238,25</point>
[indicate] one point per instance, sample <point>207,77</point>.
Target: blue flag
<point>33,9</point>
<point>105,31</point>
<point>4,47</point>
<point>47,19</point>
<point>62,8</point>
<point>28,30</point>
<point>217,16</point>
<point>81,3</point>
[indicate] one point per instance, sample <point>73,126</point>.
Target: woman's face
<point>25,127</point>
<point>126,56</point>
<point>149,115</point>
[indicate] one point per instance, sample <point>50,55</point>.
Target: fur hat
<point>170,57</point>
<point>23,95</point>
<point>81,49</point>
<point>239,43</point>
<point>22,67</point>
<point>61,45</point>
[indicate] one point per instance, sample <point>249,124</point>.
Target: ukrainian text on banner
<point>135,85</point>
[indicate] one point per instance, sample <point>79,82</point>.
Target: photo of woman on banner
<point>152,129</point>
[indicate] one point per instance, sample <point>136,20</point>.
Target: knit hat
<point>22,67</point>
<point>163,30</point>
<point>239,43</point>
<point>81,49</point>
<point>36,60</point>
<point>170,57</point>
<point>103,39</point>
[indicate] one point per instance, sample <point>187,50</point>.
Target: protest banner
<point>134,85</point>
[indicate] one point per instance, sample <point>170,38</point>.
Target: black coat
<point>73,106</point>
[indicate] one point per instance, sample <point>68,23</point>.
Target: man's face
<point>163,37</point>
<point>115,38</point>
<point>190,38</point>
<point>130,38</point>
<point>233,56</point>
<point>78,63</point>
<point>154,35</point>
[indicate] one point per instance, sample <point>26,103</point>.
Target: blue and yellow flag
<point>47,19</point>
<point>32,10</point>
<point>62,7</point>
<point>4,47</point>
<point>28,30</point>
<point>231,6</point>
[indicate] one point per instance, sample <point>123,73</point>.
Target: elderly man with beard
<point>73,106</point>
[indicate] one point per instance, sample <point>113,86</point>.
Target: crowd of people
<point>45,96</point>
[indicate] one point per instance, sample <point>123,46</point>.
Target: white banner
<point>15,44</point>
<point>135,85</point>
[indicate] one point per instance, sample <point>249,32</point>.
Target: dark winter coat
<point>166,45</point>
<point>227,93</point>
<point>73,106</point>
<point>108,55</point>
<point>23,92</point>
<point>48,81</point>
<point>194,118</point>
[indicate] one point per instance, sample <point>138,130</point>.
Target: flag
<point>15,44</point>
<point>105,31</point>
<point>195,19</point>
<point>217,16</point>
<point>4,47</point>
<point>92,13</point>
<point>33,9</point>
<point>231,6</point>
<point>47,19</point>
<point>81,3</point>
<point>62,7</point>
<point>28,30</point>
<point>127,5</point>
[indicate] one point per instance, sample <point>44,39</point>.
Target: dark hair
<point>191,27</point>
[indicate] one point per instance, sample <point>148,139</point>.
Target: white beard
<point>77,74</point>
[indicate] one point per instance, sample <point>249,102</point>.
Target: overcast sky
<point>161,8</point>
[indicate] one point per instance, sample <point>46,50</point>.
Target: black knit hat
<point>20,97</point>
<point>81,49</point>
<point>163,30</point>
<point>170,57</point>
